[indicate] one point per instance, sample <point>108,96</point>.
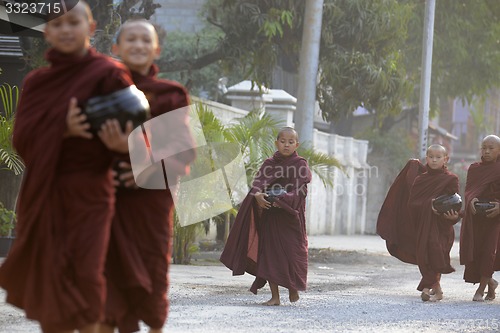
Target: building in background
<point>182,16</point>
<point>472,122</point>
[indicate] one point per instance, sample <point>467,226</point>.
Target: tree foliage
<point>253,35</point>
<point>360,60</point>
<point>466,49</point>
<point>201,82</point>
<point>370,50</point>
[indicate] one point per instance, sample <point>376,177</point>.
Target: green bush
<point>9,159</point>
<point>7,221</point>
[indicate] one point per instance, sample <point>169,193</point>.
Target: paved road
<point>363,290</point>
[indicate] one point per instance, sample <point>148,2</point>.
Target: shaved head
<point>492,139</point>
<point>131,23</point>
<point>84,7</point>
<point>437,147</point>
<point>490,148</point>
<point>288,130</point>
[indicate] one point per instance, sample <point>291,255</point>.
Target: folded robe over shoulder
<point>479,235</point>
<point>139,251</point>
<point>54,270</point>
<point>393,223</point>
<point>272,244</point>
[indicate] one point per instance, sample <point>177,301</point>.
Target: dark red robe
<point>272,244</point>
<point>434,234</point>
<point>140,244</point>
<point>393,223</point>
<point>479,235</point>
<point>55,269</point>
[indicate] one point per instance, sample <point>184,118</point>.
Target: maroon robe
<point>434,234</point>
<point>55,269</point>
<point>139,252</point>
<point>393,223</point>
<point>272,243</point>
<point>479,235</point>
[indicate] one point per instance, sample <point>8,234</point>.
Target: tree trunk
<point>103,15</point>
<point>308,70</point>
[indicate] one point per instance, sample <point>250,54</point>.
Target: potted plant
<point>7,223</point>
<point>11,166</point>
<point>9,159</point>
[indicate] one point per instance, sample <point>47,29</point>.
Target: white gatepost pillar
<point>281,106</point>
<point>248,97</point>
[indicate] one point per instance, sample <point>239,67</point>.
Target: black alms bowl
<point>482,206</point>
<point>274,192</point>
<point>447,202</point>
<point>124,105</point>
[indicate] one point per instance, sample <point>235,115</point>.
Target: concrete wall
<point>341,209</point>
<point>225,113</point>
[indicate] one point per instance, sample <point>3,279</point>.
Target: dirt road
<point>348,292</point>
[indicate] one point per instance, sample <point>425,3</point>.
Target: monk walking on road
<point>480,232</point>
<point>55,269</point>
<point>269,238</point>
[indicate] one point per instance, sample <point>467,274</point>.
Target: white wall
<point>341,209</point>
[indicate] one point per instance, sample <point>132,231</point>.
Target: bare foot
<point>272,302</point>
<point>478,297</point>
<point>436,289</point>
<point>438,295</point>
<point>492,286</point>
<point>426,295</point>
<point>293,295</point>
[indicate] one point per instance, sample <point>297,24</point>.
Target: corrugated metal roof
<point>10,46</point>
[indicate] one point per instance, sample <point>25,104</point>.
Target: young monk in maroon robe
<point>434,232</point>
<point>479,234</point>
<point>55,269</point>
<point>269,240</point>
<point>413,231</point>
<point>139,252</point>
